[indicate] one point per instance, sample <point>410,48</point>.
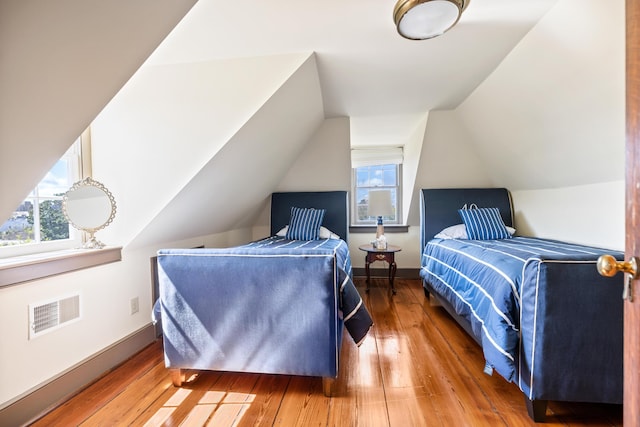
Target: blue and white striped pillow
<point>305,223</point>
<point>484,224</point>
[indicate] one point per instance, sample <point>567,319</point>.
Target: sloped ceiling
<point>552,114</point>
<point>237,182</point>
<point>365,67</point>
<point>205,143</point>
<point>60,63</point>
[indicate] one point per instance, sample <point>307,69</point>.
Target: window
<point>376,177</point>
<point>39,224</point>
<point>376,168</point>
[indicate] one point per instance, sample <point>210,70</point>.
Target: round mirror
<point>90,207</point>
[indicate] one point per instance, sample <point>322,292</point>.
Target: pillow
<point>484,224</point>
<point>454,232</point>
<point>305,223</point>
<point>459,231</point>
<point>324,233</point>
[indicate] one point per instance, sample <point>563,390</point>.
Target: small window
<point>376,178</point>
<point>376,168</point>
<point>39,224</point>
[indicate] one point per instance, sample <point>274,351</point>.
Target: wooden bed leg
<point>537,409</point>
<point>176,376</point>
<point>328,386</point>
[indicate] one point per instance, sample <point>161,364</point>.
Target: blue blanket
<point>280,252</point>
<point>484,281</point>
<point>357,319</point>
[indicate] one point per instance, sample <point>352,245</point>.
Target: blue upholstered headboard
<point>336,204</point>
<point>439,207</point>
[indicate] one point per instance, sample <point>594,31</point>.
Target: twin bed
<point>277,305</point>
<point>545,318</point>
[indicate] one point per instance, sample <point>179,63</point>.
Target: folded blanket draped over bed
<point>488,281</point>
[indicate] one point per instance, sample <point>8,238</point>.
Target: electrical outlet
<point>134,305</point>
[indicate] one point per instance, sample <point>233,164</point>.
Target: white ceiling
<point>365,67</point>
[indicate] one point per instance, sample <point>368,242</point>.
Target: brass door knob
<point>609,266</point>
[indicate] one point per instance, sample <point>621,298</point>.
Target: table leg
<point>366,267</point>
<point>392,275</point>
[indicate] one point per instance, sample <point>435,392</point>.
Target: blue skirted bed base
<point>275,306</point>
<point>545,318</point>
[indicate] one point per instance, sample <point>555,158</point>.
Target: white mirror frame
<point>89,212</point>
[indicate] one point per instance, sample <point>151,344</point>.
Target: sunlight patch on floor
<point>367,361</point>
<point>219,408</point>
<point>169,407</point>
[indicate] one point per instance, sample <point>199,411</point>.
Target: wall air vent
<point>46,317</point>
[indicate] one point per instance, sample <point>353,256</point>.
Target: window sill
<point>388,229</point>
<point>21,269</point>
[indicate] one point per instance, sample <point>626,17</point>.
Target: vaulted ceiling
<point>365,67</point>
<point>62,61</point>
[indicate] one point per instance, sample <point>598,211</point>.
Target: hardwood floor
<point>416,368</point>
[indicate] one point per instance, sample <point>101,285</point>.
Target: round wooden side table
<point>388,255</point>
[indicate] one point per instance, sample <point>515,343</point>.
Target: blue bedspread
<point>357,319</point>
<point>484,281</point>
<point>280,252</point>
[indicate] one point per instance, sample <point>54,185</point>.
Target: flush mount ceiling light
<point>425,19</point>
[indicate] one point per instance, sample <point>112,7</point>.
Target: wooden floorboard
<point>417,367</point>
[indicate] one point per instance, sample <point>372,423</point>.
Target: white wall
<point>325,162</point>
<point>591,214</point>
<point>549,124</point>
<point>323,165</point>
<point>552,113</point>
<point>200,126</point>
<point>449,158</point>
<point>411,164</point>
<point>61,63</point>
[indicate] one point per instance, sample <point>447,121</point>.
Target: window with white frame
<point>38,224</point>
<point>376,169</point>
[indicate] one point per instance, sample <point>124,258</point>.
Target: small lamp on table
<point>380,205</point>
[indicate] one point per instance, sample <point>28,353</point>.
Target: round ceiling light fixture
<point>425,19</point>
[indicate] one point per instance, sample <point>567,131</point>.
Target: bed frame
<point>438,210</point>
<point>280,347</point>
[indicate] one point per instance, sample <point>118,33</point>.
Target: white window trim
<point>354,198</point>
<point>75,153</point>
<point>21,263</point>
<point>17,270</point>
